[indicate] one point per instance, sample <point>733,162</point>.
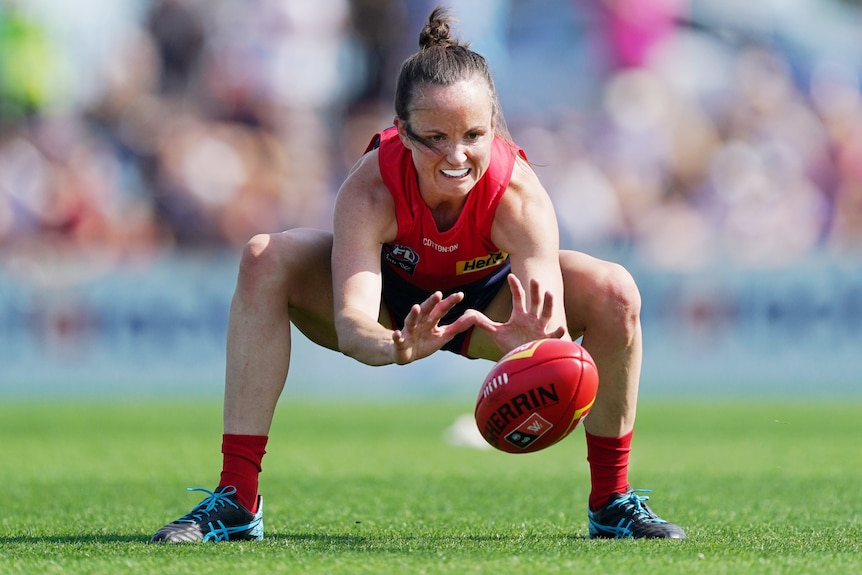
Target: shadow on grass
<point>320,541</point>
<point>84,538</point>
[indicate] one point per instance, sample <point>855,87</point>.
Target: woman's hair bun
<point>437,30</point>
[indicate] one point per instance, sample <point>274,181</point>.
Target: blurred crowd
<point>685,132</point>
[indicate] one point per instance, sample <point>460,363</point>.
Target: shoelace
<point>210,504</point>
<point>634,503</point>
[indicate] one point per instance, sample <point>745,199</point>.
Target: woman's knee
<point>617,288</point>
<point>271,260</point>
<point>601,293</point>
<point>261,260</point>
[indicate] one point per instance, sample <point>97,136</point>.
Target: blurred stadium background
<point>712,146</point>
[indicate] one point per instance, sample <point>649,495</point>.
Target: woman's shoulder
<point>525,201</point>
<point>367,166</point>
<point>524,180</point>
<point>365,180</point>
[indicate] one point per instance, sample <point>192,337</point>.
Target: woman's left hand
<point>524,325</point>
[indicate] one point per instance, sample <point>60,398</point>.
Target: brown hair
<point>442,61</point>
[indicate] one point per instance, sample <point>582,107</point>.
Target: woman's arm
<point>525,226</point>
<point>364,221</point>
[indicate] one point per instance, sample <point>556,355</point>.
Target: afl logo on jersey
<point>401,256</point>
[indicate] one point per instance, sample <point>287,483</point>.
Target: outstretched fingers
<point>541,304</point>
<point>422,335</point>
<point>529,320</point>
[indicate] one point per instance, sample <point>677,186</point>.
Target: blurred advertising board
<point>158,327</point>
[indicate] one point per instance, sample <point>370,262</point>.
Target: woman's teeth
<point>456,173</point>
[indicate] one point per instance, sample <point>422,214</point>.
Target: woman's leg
<point>283,278</point>
<point>603,305</point>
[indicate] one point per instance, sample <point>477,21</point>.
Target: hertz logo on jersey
<point>477,264</point>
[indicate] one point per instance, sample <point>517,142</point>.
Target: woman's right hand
<point>422,333</point>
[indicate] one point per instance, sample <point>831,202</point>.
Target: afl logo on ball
<point>401,256</point>
<point>529,431</point>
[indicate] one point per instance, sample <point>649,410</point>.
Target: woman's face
<point>450,132</point>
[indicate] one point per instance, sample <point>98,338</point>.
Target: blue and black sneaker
<point>626,515</point>
<point>219,517</point>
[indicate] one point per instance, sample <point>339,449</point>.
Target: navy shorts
<point>399,296</point>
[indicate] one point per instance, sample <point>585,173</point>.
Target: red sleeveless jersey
<point>420,254</point>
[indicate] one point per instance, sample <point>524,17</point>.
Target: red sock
<point>241,466</point>
<point>609,466</point>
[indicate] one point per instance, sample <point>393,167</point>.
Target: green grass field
<point>760,487</point>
